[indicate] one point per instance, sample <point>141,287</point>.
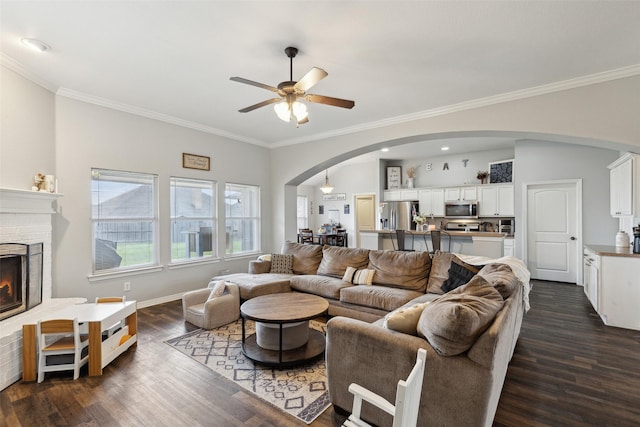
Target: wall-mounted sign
<point>501,171</point>
<point>394,177</point>
<point>193,161</point>
<point>334,196</point>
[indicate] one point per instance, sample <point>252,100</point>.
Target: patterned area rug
<point>301,391</point>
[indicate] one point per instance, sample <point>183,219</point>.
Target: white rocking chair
<point>405,411</point>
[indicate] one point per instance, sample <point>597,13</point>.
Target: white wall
<point>538,161</point>
<point>457,174</point>
<point>27,131</point>
<point>91,136</point>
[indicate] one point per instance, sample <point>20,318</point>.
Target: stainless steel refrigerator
<point>398,215</point>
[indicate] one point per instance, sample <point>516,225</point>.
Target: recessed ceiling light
<point>384,150</point>
<point>444,148</point>
<point>35,44</point>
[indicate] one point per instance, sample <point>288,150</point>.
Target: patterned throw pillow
<point>358,277</point>
<point>459,274</point>
<point>281,264</point>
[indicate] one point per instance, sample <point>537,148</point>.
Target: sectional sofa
<point>400,305</point>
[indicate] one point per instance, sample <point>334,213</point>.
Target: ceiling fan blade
<point>336,102</point>
<point>252,83</point>
<point>310,79</point>
<point>260,104</point>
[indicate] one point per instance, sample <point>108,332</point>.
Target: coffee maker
<point>636,239</point>
<point>506,226</point>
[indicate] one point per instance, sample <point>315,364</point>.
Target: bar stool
<point>400,236</point>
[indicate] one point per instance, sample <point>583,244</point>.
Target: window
<point>303,212</point>
<point>124,219</point>
<point>242,210</point>
<point>193,219</point>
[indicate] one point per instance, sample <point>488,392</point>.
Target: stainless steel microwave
<point>461,209</point>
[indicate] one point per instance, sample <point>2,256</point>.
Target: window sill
<point>190,263</point>
<point>243,255</point>
<point>96,277</point>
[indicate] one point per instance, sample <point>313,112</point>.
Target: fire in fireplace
<point>20,277</point>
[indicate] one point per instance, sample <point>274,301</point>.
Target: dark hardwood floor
<point>568,370</point>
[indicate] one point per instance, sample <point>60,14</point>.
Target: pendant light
<point>326,188</point>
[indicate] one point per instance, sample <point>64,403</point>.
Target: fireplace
<point>20,277</point>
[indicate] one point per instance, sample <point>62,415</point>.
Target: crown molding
<point>103,102</point>
<point>602,77</point>
<point>15,66</point>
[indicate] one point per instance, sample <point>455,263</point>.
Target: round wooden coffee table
<point>283,336</point>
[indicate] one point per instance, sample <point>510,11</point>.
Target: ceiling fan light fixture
<point>288,110</point>
<point>283,111</point>
<point>326,188</point>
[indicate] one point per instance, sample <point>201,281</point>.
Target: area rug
<point>300,391</point>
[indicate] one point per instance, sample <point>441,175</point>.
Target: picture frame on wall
<point>394,177</point>
<point>501,171</point>
<point>194,161</point>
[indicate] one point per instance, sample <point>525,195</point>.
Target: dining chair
<point>306,236</point>
<point>116,326</point>
<point>407,405</point>
<point>400,237</point>
<point>61,347</point>
<point>341,237</point>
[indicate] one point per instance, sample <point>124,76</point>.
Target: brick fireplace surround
<point>25,217</point>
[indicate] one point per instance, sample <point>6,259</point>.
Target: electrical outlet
<point>127,286</point>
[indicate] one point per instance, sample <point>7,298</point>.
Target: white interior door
<point>365,214</point>
<point>552,232</point>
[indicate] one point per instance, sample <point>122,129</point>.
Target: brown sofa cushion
<point>501,277</point>
<point>336,259</point>
<point>405,270</point>
<point>453,322</point>
<point>306,258</point>
<point>382,297</point>
<point>324,286</point>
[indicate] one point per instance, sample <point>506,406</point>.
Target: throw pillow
<point>453,322</point>
<point>281,264</point>
<point>405,320</point>
<point>501,277</point>
<point>459,274</point>
<point>359,277</point>
<point>217,289</point>
<point>440,265</point>
<point>265,257</point>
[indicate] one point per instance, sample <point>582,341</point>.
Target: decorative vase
<point>409,182</point>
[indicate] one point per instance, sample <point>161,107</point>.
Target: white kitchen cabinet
<point>496,200</point>
<point>461,193</point>
<point>625,186</point>
<point>508,247</point>
<point>431,201</point>
<point>396,195</point>
<point>591,276</point>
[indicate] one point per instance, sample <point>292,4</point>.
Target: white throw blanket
<point>519,269</point>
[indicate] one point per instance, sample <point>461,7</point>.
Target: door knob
<point>572,238</point>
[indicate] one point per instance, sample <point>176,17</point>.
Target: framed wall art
<point>194,161</point>
<point>394,177</point>
<point>501,171</point>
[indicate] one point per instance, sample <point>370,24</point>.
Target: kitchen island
<point>481,243</point>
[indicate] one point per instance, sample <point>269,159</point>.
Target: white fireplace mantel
<point>25,201</point>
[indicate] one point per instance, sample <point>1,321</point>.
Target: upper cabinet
<point>625,186</point>
<point>431,201</point>
<point>395,195</point>
<point>461,193</point>
<point>496,200</point>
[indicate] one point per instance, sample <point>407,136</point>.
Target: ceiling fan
<point>288,106</point>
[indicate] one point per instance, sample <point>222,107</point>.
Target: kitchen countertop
<point>606,250</point>
<point>452,233</point>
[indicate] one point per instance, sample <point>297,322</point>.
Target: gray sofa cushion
<point>375,296</point>
<point>324,286</point>
<point>453,322</point>
<point>254,285</point>
<point>306,258</point>
<point>405,270</point>
<point>336,259</point>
